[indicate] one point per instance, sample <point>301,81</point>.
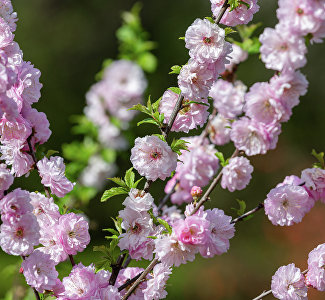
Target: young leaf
<point>155,105</point>
<point>141,108</point>
<point>242,207</point>
<point>200,103</point>
<point>220,157</point>
<point>136,183</point>
<point>229,30</point>
<point>50,153</point>
<point>161,137</point>
<point>118,224</point>
<point>320,158</point>
<point>149,106</point>
<point>178,145</point>
<point>182,38</point>
<point>165,224</point>
<point>118,181</point>
<point>129,178</point>
<point>210,19</point>
<point>152,237</point>
<point>175,90</point>
<point>113,192</point>
<point>175,69</point>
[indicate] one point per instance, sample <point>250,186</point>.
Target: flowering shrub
<point>43,228</point>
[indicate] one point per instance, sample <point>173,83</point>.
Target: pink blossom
<point>195,79</point>
<point>6,179</point>
<point>263,106</point>
<point>281,49</point>
<point>240,15</point>
<point>50,239</point>
<point>39,271</point>
<point>205,41</point>
<point>196,191</point>
<point>81,283</point>
<point>219,130</point>
<point>110,293</point>
<point>171,214</point>
<point>316,271</point>
<point>8,14</point>
<point>314,178</point>
<point>228,98</point>
<point>171,251</point>
<point>156,284</point>
<point>14,205</point>
<point>287,204</point>
<point>27,88</point>
<point>254,137</point>
<point>153,158</point>
<point>138,200</point>
<point>52,173</point>
<point>237,174</point>
<point>220,232</point>
<point>14,53</point>
<point>238,55</point>
<point>16,129</point>
<point>190,117</point>
<point>138,226</point>
<point>6,36</point>
<point>45,210</point>
<point>292,179</point>
<point>13,154</point>
<point>219,66</point>
<point>288,283</point>
<point>74,235</point>
<point>20,237</point>
<point>299,16</point>
<point>289,86</point>
<point>7,73</point>
<point>39,123</point>
<point>193,230</point>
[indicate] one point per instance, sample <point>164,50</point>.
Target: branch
<point>242,217</point>
<point>167,196</point>
<point>141,277</point>
<point>211,188</point>
<point>32,153</point>
<point>116,268</point>
<point>72,260</point>
<point>129,282</point>
<point>222,12</point>
<point>177,108</point>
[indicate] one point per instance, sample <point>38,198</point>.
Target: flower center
<point>155,155</point>
<point>13,207</point>
<point>300,11</point>
<point>284,47</point>
<point>285,203</point>
<point>207,40</point>
<point>20,232</point>
<point>72,234</point>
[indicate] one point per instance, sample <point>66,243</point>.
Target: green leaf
<point>147,61</point>
<point>129,178</point>
<point>50,153</point>
<point>111,230</point>
<point>175,90</point>
<point>153,217</point>
<point>137,182</point>
<point>246,31</point>
<point>148,121</point>
<point>235,3</point>
<point>178,145</point>
<point>118,224</point>
<point>118,181</point>
<point>182,38</point>
<point>210,19</point>
<point>152,237</point>
<point>141,108</point>
<point>155,105</point>
<point>229,30</point>
<point>109,155</point>
<point>199,103</point>
<point>113,192</point>
<point>175,69</point>
<point>242,207</point>
<point>161,137</point>
<point>320,158</point>
<point>244,3</point>
<point>165,224</point>
<point>220,157</point>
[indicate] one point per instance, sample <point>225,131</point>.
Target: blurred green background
<point>68,40</point>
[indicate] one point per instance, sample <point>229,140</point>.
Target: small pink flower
<point>138,200</point>
<point>39,271</point>
<point>316,268</point>
<point>237,174</point>
<point>74,235</point>
<point>6,179</point>
<point>289,283</point>
<point>153,158</point>
<point>205,41</point>
<point>52,173</point>
<point>196,191</point>
<point>219,130</point>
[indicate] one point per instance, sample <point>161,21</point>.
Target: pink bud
<point>196,191</point>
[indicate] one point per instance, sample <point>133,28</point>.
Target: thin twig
<point>147,186</point>
<point>211,188</point>
<point>242,217</point>
<point>116,268</point>
<point>129,282</point>
<point>32,153</point>
<point>72,260</point>
<point>222,12</point>
<point>173,116</point>
<point>141,277</point>
<point>127,262</point>
<point>167,196</point>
